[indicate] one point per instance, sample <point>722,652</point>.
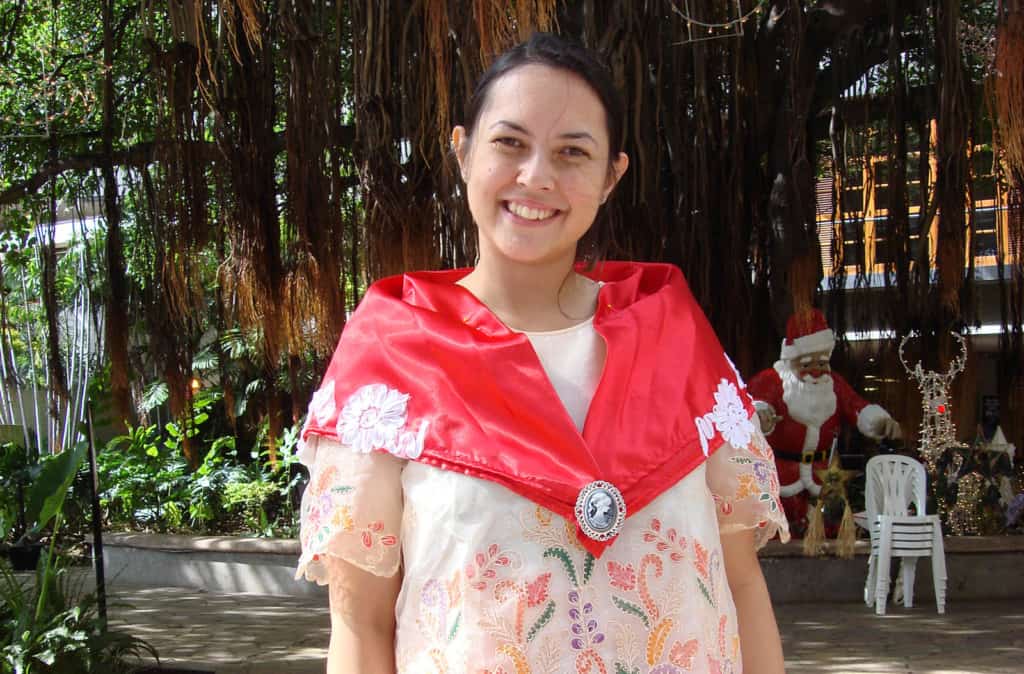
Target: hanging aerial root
<point>305,311</point>
<point>239,281</point>
<point>804,273</point>
<point>1009,88</point>
<point>494,27</point>
<point>435,24</point>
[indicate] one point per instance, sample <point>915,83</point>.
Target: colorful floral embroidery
<point>324,509</point>
<point>667,542</point>
<point>530,601</point>
<point>483,569</point>
<point>435,601</point>
<point>682,655</point>
<point>622,576</point>
<point>585,634</point>
<point>761,479</point>
<point>372,535</point>
<point>708,566</point>
<point>327,512</point>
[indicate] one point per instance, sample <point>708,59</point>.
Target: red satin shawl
<point>491,411</point>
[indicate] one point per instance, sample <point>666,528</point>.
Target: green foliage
<point>32,493</point>
<point>146,484</point>
<point>248,500</point>
<point>14,478</point>
<point>48,625</point>
<point>140,473</point>
<point>50,487</point>
<point>51,626</point>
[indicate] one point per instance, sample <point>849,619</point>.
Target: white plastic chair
<point>895,497</point>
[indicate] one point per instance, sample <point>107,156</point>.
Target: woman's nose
<point>536,172</point>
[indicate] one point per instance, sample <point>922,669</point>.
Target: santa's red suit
<point>809,414</point>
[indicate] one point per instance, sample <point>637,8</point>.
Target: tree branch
<point>137,155</point>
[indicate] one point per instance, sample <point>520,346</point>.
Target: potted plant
<point>17,471</point>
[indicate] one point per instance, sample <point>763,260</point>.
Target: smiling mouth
<point>527,213</point>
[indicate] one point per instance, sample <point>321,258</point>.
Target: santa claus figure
<point>802,405</point>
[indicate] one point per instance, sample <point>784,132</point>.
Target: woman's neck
<point>533,298</point>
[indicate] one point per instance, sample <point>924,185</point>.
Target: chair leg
<point>882,570</point>
<point>939,567</point>
<point>909,568</point>
<point>869,584</point>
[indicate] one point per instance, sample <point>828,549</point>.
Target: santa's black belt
<point>800,458</point>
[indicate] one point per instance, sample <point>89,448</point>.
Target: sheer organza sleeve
<point>745,487</point>
<point>351,509</point>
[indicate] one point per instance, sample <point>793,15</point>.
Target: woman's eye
<point>508,142</point>
<point>575,152</point>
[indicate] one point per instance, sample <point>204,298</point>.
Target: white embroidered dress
<point>494,583</point>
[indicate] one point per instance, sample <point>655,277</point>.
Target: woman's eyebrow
<point>579,135</point>
<point>512,125</point>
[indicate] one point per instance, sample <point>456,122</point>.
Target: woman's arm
<point>759,635</point>
<point>362,620</point>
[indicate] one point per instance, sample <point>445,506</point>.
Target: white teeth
<point>530,213</point>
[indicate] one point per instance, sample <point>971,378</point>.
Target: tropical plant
<point>265,494</point>
<point>146,484</point>
<point>144,479</point>
<point>14,478</point>
<point>49,624</point>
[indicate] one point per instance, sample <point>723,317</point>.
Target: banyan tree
<point>256,163</point>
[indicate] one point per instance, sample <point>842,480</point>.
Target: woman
<point>529,466</point>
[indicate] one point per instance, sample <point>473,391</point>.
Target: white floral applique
<point>739,378</point>
<point>321,410</point>
<point>322,406</point>
<point>728,417</point>
<point>705,431</point>
<point>374,418</point>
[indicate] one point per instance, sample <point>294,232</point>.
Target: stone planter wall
<point>977,568</point>
<point>213,563</point>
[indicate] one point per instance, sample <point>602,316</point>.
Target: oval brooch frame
<point>600,510</point>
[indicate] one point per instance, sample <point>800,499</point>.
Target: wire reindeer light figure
<point>937,430</point>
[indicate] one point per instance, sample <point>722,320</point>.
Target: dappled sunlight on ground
<point>971,638</point>
<point>232,634</point>
<point>247,634</point>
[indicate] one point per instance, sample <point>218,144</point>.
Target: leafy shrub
<point>50,625</point>
<point>143,480</point>
<point>146,484</point>
<point>47,624</point>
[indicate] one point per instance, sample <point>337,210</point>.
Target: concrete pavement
<point>252,634</point>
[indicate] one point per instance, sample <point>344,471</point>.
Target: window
<point>853,242</point>
<point>983,239</point>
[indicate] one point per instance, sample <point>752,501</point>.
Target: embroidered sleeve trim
<point>728,417</point>
<point>374,417</point>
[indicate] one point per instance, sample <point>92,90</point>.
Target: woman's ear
<point>618,168</point>
<point>460,141</point>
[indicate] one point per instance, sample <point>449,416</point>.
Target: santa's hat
<point>807,333</point>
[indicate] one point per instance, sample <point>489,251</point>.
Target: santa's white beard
<point>810,401</point>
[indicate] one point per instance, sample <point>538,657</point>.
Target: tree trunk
<point>116,320</point>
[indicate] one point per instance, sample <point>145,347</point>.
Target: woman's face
<point>536,167</point>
